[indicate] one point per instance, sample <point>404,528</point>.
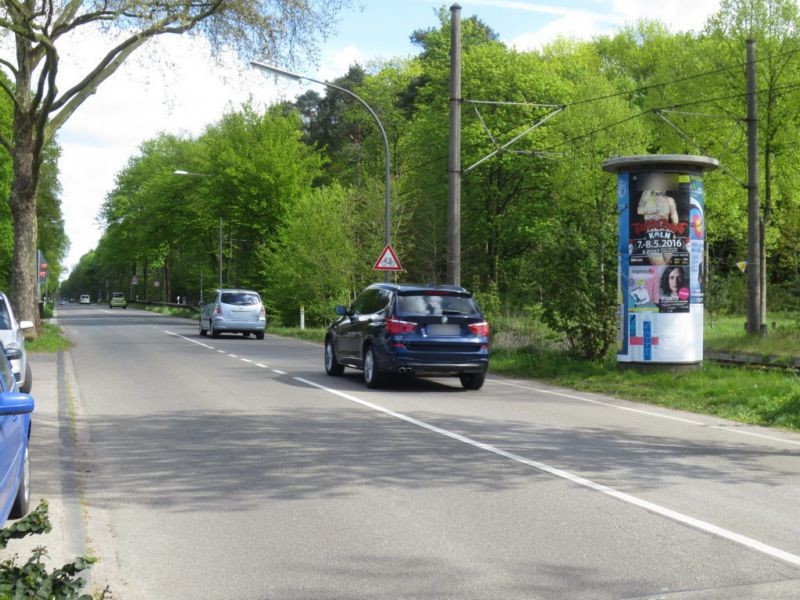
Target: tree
<point>774,25</point>
<point>40,29</point>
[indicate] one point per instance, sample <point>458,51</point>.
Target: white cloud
<point>339,62</point>
<point>575,26</point>
<point>183,92</point>
<point>678,15</point>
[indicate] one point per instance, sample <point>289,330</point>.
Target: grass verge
<point>760,397</point>
<point>51,340</point>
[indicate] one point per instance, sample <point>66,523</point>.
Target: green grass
<point>313,334</point>
<point>770,398</point>
<point>727,334</point>
<point>51,340</point>
<point>185,313</point>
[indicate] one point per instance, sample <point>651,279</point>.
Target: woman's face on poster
<point>675,280</point>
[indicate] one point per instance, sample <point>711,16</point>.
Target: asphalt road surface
<point>233,468</point>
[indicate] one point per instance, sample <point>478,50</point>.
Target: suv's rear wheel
<point>372,376</point>
<point>472,381</point>
<point>332,366</point>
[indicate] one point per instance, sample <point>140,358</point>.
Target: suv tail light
<point>262,312</point>
<point>395,326</point>
<point>217,310</point>
<point>481,328</point>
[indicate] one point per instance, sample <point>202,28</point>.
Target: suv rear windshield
<point>436,304</point>
<point>239,298</point>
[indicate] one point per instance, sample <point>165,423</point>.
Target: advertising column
<point>660,203</point>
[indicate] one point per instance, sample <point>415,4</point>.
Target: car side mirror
<point>340,310</point>
<point>15,403</point>
<point>28,329</point>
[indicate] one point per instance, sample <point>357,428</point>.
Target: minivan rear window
<point>436,304</point>
<point>239,298</point>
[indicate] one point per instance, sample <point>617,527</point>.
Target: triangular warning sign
<point>388,261</point>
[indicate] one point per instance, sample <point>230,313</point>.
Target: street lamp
<point>387,201</point>
<point>219,249</point>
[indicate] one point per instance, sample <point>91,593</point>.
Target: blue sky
<point>140,101</point>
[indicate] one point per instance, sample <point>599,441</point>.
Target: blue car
<point>15,432</point>
<point>421,330</point>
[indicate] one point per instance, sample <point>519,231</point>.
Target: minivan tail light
<point>217,310</point>
<point>262,312</point>
<point>481,328</point>
<point>395,326</point>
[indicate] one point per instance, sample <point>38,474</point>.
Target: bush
<point>31,579</point>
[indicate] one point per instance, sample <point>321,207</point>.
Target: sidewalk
<point>52,467</point>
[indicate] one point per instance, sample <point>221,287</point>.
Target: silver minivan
<point>233,311</point>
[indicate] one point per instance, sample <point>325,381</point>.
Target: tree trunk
<point>24,267</point>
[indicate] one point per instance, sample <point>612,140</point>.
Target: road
<point>233,468</point>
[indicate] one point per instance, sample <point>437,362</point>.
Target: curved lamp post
<point>387,201</point>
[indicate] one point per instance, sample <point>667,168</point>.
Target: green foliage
<point>32,578</point>
<point>314,261</point>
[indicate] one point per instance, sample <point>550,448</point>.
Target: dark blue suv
<point>410,330</point>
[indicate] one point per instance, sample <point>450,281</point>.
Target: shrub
<point>32,579</point>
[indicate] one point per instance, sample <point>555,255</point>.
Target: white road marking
<point>577,479</point>
<point>648,413</point>
<point>673,515</point>
<point>247,360</point>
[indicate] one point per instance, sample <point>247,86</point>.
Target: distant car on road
<point>410,330</point>
<point>233,311</point>
<point>12,336</point>
<point>85,299</point>
<point>118,300</point>
<point>15,424</point>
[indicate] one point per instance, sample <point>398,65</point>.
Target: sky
<point>184,91</point>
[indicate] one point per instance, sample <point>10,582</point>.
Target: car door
<point>11,441</point>
<point>351,330</point>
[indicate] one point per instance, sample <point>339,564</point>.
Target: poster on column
<point>697,236</point>
<point>659,219</point>
<point>643,289</point>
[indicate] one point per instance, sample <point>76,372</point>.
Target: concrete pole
<point>754,317</point>
<point>454,159</point>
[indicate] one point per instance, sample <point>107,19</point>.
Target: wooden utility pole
<point>755,316</point>
<point>454,158</point>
